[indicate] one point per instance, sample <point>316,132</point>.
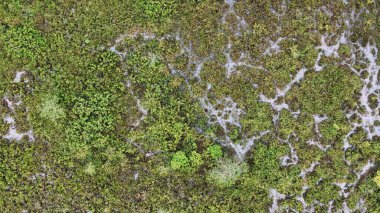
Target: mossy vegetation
<point>189,106</point>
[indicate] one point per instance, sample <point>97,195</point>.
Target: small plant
<point>227,172</point>
<point>195,160</point>
<point>259,29</point>
<point>186,163</point>
<point>234,134</point>
<point>344,50</point>
<point>215,151</point>
<point>180,161</point>
<point>50,109</point>
<point>90,169</point>
<point>163,171</point>
<point>156,10</point>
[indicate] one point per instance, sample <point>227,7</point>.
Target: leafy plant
<point>195,160</point>
<point>215,151</point>
<point>90,130</point>
<point>156,10</point>
<point>180,161</point>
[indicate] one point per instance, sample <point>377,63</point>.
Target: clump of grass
<point>50,109</point>
<point>227,172</point>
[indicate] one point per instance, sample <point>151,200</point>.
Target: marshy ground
<point>189,106</point>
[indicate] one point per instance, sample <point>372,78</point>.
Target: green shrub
<point>326,92</point>
<point>156,10</point>
<point>180,161</point>
<point>215,151</point>
<point>92,125</point>
<point>195,160</point>
<point>19,163</point>
<point>186,163</point>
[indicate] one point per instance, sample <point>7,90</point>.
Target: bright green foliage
<point>93,120</point>
<point>15,12</point>
<point>90,131</point>
<point>226,172</point>
<point>215,151</point>
<point>180,161</point>
<point>15,157</point>
<point>156,10</point>
<point>92,114</point>
<point>266,164</point>
<point>188,163</point>
<point>334,128</point>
